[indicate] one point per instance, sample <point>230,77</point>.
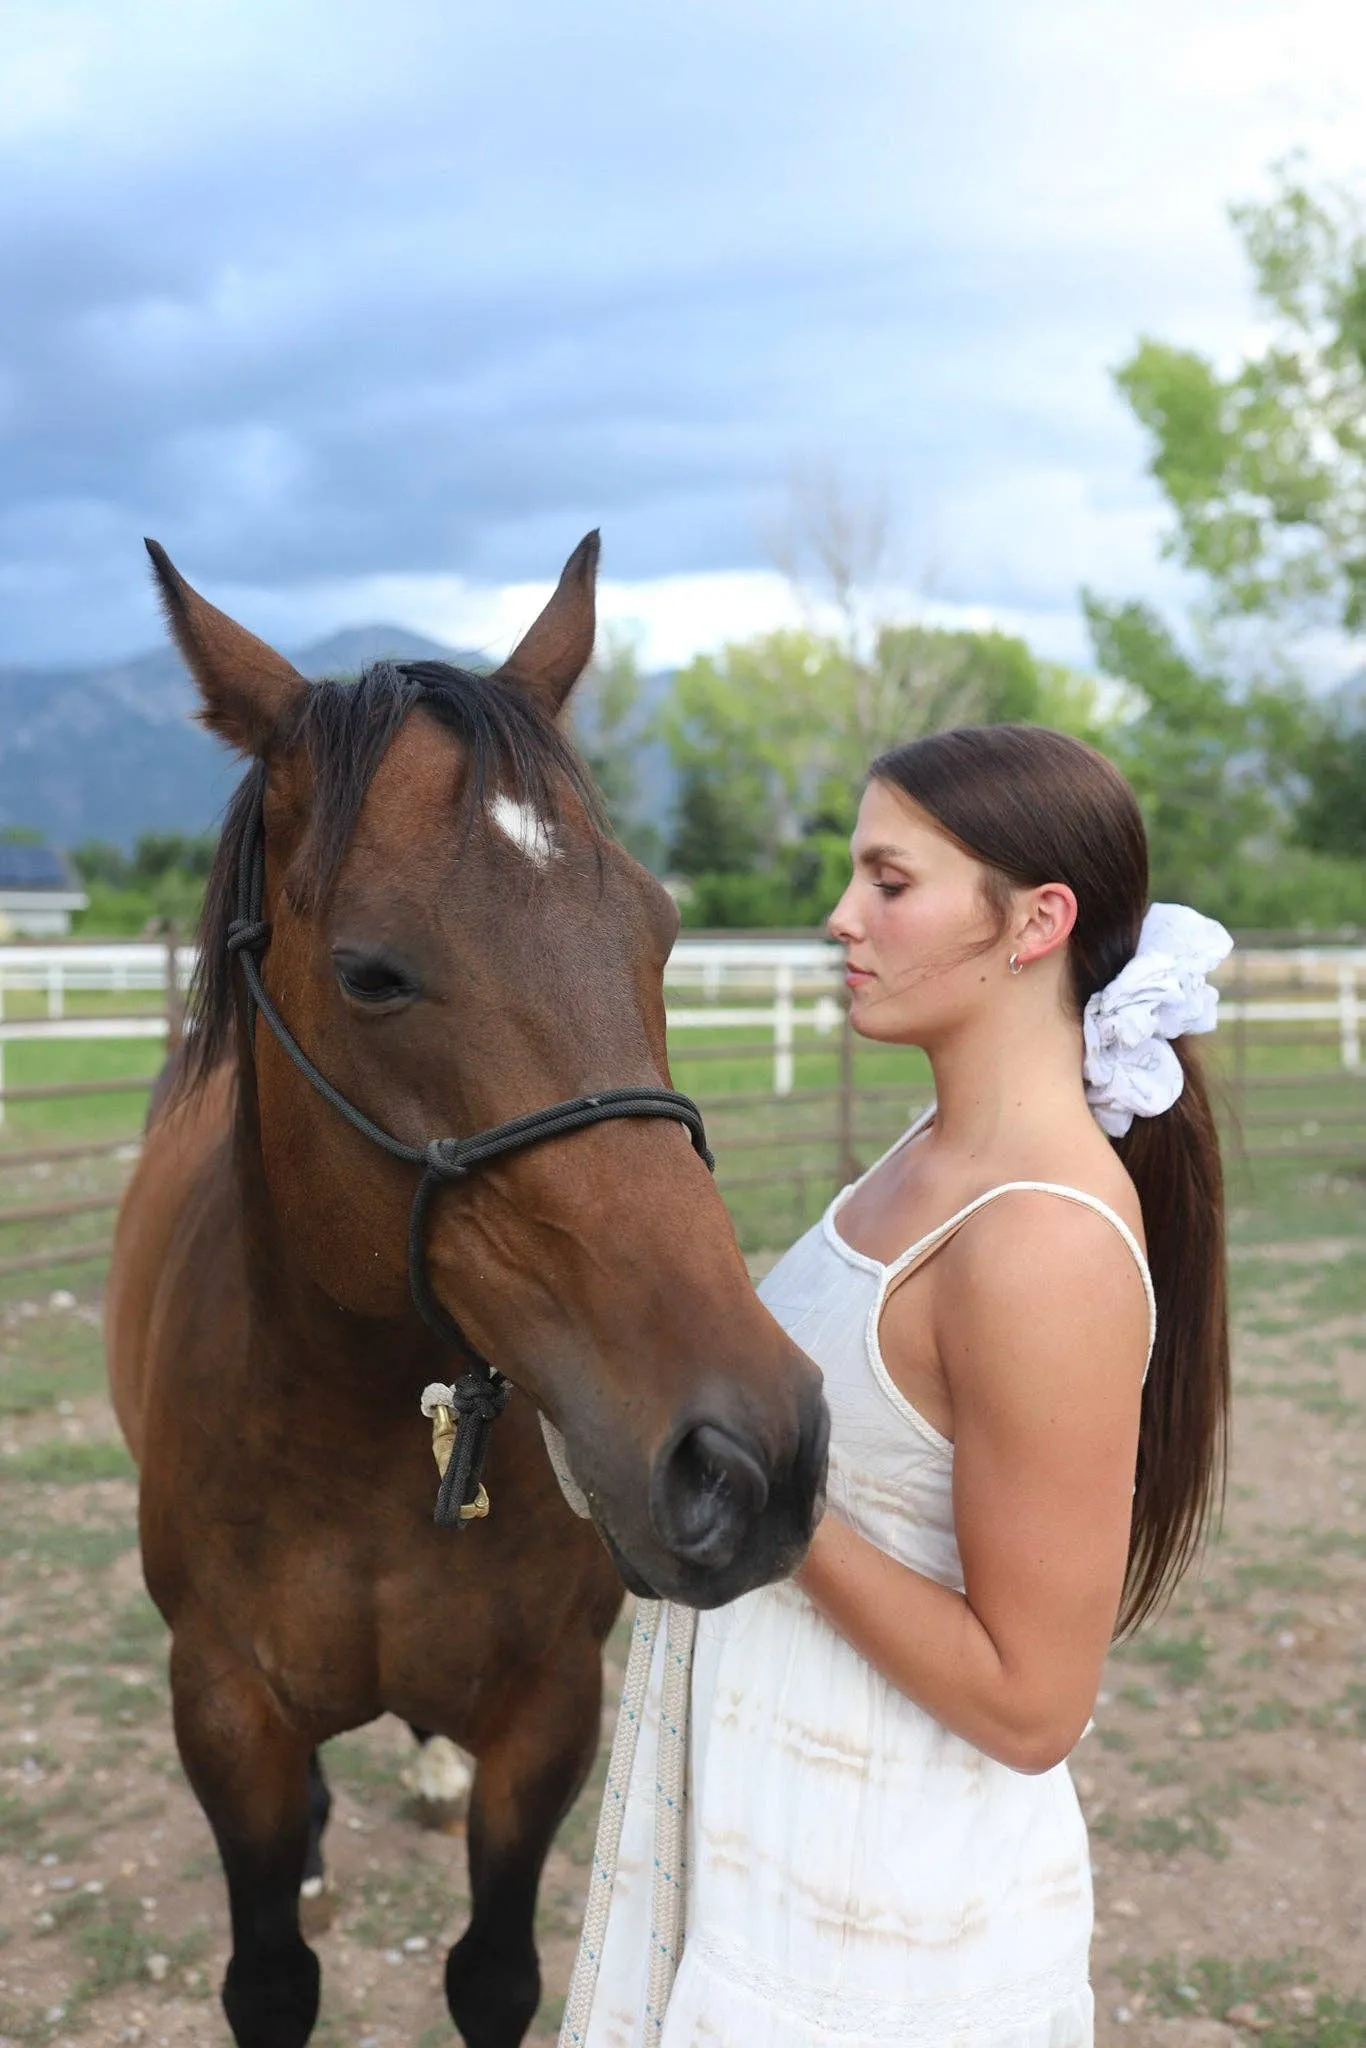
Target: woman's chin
<point>869,1020</point>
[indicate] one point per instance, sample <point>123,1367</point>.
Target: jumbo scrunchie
<point>1129,1066</point>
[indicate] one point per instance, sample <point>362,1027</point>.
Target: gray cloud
<point>319,290</point>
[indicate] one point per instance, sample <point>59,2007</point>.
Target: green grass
<point>1348,1711</point>
<point>33,1063</point>
<point>1338,1286</point>
<point>1197,1822</point>
<point>1184,1660</point>
<point>68,1464</point>
<point>368,1774</point>
<point>778,1158</point>
<point>1270,1716</point>
<point>421,1899</point>
<point>26,1824</point>
<point>22,1003</point>
<point>48,1359</point>
<point>1210,1987</point>
<point>1315,1397</point>
<point>86,1547</point>
<point>1285,1201</point>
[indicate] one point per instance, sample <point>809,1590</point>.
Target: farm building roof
<point>26,867</point>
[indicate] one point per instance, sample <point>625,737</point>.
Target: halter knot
<point>481,1395</point>
<point>443,1159</point>
<point>246,935</point>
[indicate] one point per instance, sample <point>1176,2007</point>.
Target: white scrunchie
<point>1129,1066</point>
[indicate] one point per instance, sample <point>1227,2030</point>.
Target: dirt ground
<point>1225,1780</point>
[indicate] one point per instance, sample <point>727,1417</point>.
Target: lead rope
<point>669,1890</point>
<point>668,1900</point>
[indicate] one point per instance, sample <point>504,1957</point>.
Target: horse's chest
<point>342,1636</point>
<point>310,1627</point>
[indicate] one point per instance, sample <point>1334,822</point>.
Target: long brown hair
<point>1036,806</point>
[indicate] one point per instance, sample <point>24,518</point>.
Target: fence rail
<point>795,1104</point>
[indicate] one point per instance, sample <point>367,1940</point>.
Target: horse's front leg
<point>524,1784</point>
<point>250,1773</point>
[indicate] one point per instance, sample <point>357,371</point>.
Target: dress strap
<point>924,1248</point>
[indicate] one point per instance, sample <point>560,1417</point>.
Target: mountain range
<point>107,753</point>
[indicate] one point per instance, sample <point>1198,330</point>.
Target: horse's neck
<point>302,1342</point>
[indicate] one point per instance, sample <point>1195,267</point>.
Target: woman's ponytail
<point>1173,1161</point>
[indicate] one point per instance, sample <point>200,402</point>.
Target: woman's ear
<point>1049,917</point>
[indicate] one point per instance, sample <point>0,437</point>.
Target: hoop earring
<point>1015,964</point>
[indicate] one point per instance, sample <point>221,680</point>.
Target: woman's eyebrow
<point>869,856</point>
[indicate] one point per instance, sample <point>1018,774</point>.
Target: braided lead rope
<point>669,1887</point>
<point>670,1893</point>
<point>578,2006</point>
<point>559,1465</point>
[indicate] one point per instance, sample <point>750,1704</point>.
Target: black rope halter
<point>481,1392</point>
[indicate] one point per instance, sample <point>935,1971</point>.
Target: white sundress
<point>857,1876</point>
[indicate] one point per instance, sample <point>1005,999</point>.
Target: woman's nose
<point>841,923</point>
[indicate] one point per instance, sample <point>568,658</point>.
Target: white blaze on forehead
<point>523,824</point>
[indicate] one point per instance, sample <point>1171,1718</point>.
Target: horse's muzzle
<point>726,1518</point>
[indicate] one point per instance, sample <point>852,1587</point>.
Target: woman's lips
<point>854,977</point>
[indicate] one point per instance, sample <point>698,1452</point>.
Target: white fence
<point>781,986</point>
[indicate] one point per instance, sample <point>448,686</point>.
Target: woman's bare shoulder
<point>1086,1167</point>
<point>1040,1275</point>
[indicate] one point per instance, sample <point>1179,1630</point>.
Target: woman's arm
<point>1042,1329</point>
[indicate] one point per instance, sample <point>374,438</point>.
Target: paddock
<point>1225,1780</point>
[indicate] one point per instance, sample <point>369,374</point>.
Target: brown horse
<point>447,931</point>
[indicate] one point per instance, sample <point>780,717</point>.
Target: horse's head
<point>455,942</point>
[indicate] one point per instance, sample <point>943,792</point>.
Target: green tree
<point>771,741</point>
<point>718,825</point>
<point>611,729</point>
<point>1265,471</point>
<point>1265,468</point>
<point>1331,815</point>
<point>760,725</point>
<point>159,855</point>
<point>96,861</point>
<point>927,679</point>
<point>162,881</point>
<point>1216,770</point>
<point>1190,749</point>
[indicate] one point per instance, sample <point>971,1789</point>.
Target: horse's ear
<point>549,659</point>
<point>248,689</point>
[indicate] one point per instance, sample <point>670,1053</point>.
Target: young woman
<point>1020,1315</point>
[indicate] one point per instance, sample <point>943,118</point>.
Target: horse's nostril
<point>705,1495</point>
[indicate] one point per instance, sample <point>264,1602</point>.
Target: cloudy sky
<point>369,311</point>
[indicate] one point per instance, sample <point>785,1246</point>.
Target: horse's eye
<point>370,978</point>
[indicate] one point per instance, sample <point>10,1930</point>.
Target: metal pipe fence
<point>795,1104</point>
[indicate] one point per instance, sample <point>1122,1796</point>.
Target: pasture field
<point>777,1156</point>
<point>1225,1780</point>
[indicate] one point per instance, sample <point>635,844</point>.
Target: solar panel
<point>32,867</point>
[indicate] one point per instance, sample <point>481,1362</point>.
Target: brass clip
<point>443,1443</point>
<point>443,1437</point>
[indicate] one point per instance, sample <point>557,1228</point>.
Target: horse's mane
<point>346,727</point>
